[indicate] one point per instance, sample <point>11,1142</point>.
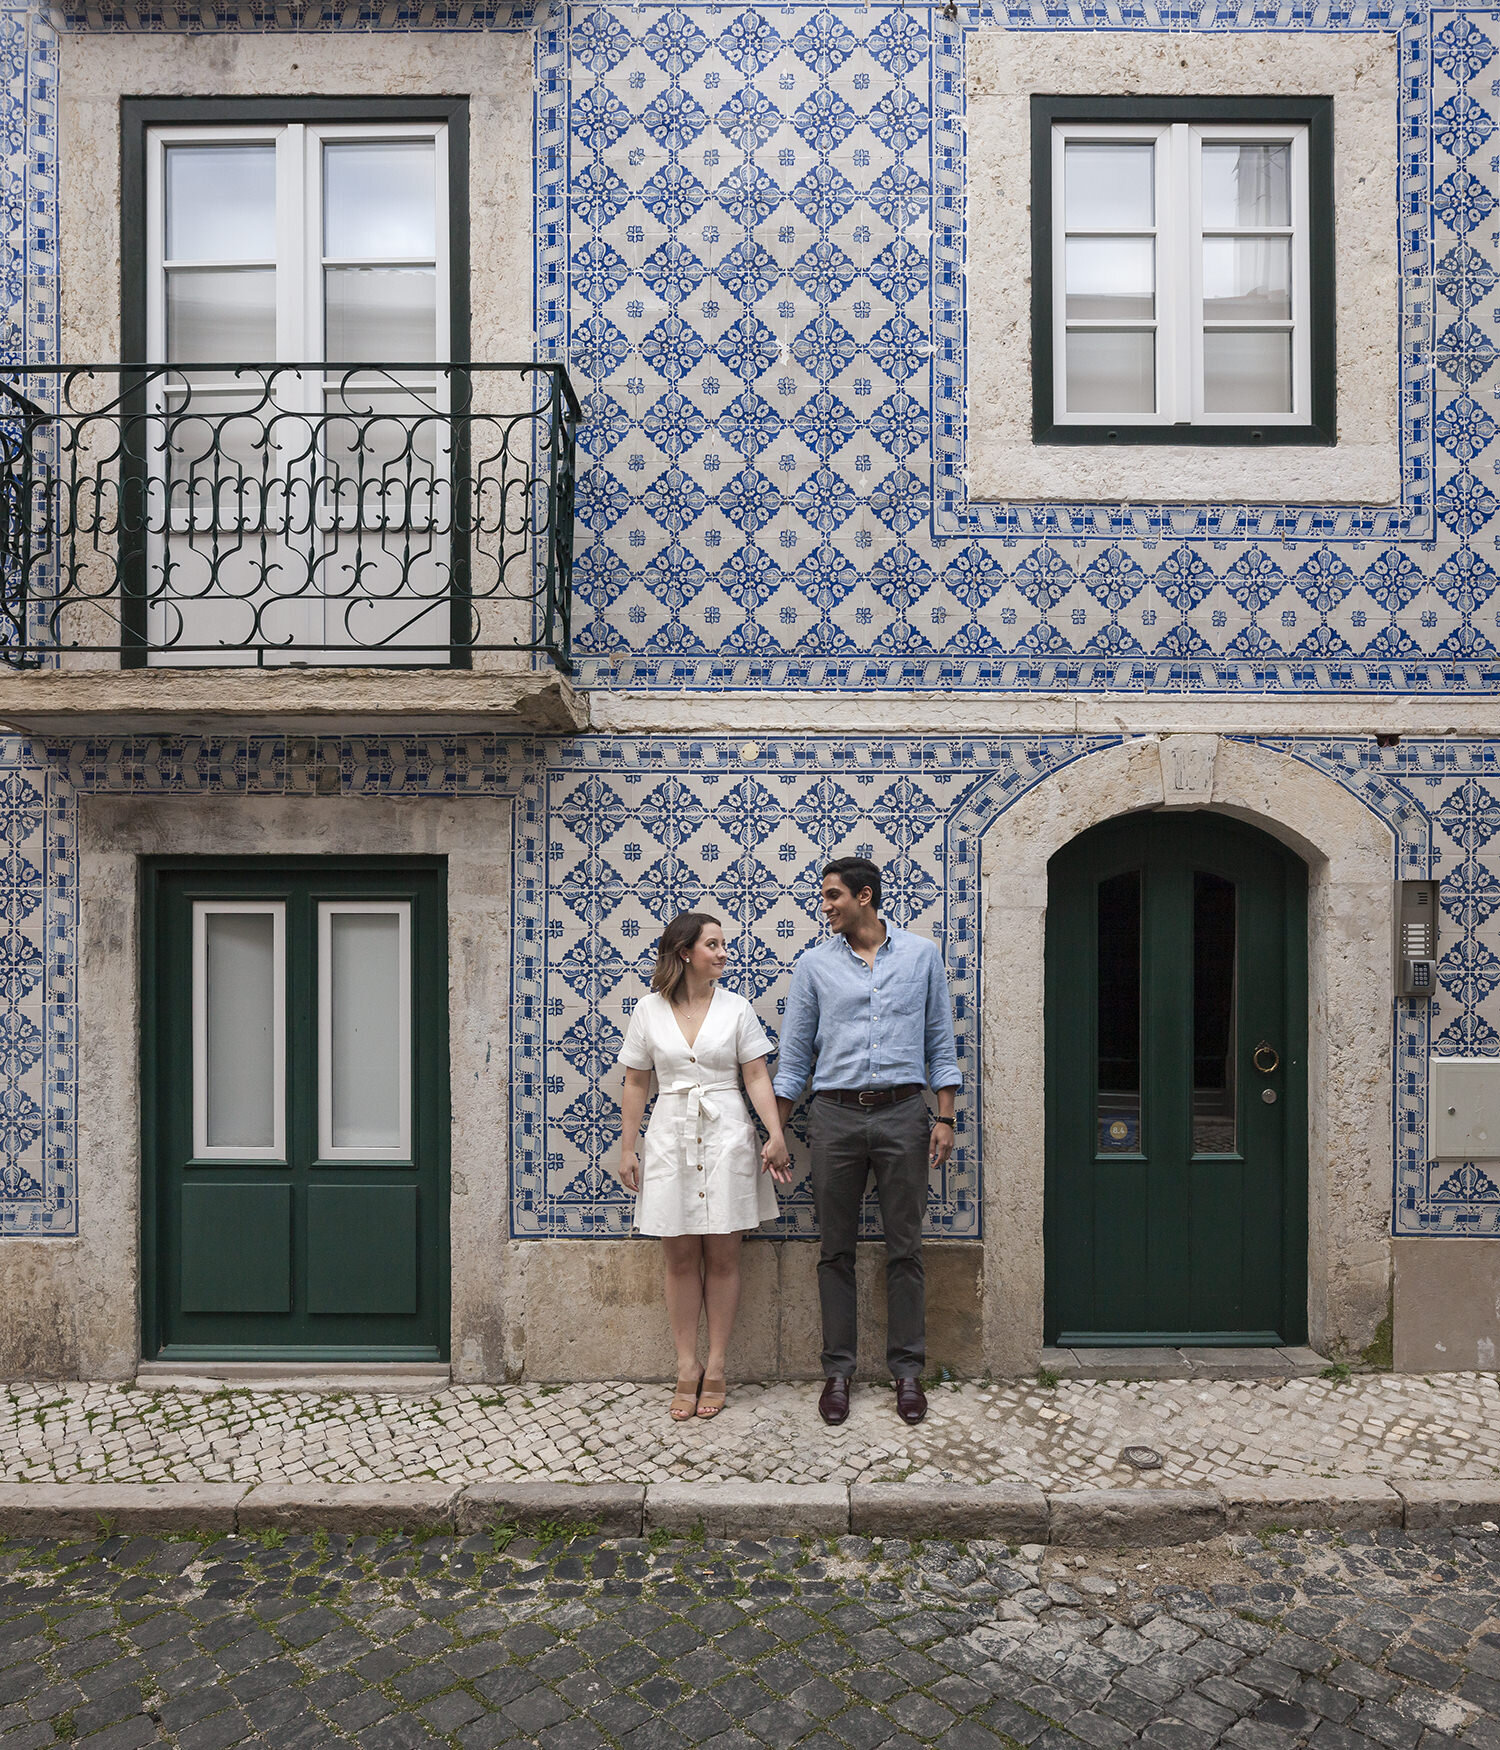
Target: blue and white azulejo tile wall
<point>755,267</point>
<point>750,248</point>
<point>614,834</point>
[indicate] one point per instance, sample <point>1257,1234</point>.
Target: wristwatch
<point>948,1121</point>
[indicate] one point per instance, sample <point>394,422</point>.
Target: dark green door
<point>1176,994</point>
<point>295,1069</point>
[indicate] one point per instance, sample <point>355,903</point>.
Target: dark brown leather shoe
<point>911,1400</point>
<point>833,1404</point>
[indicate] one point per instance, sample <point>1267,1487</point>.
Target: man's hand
<point>775,1160</point>
<point>941,1144</point>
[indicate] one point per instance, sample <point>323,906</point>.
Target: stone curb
<point>1013,1512</point>
<point>1017,1512</point>
<point>749,1509</point>
<point>89,1510</point>
<point>611,1509</point>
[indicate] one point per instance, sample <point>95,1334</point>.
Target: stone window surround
<point>1005,68</point>
<point>1350,857</point>
<point>96,72</point>
<point>474,834</point>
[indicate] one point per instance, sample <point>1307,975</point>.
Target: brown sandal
<point>710,1398</point>
<point>684,1403</point>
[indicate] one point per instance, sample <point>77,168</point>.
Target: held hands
<point>630,1170</point>
<point>775,1160</point>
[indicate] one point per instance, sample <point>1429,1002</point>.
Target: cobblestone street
<point>1382,1425</point>
<point>1357,1643</point>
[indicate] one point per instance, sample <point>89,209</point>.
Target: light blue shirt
<point>880,1029</point>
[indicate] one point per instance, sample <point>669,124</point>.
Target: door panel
<point>295,1073</point>
<point>1176,1096</point>
<point>362,1246</point>
<point>236,1249</point>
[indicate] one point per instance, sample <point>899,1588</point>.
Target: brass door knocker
<point>1263,1050</point>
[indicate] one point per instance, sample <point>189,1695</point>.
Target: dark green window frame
<point>138,115</point>
<point>1316,114</point>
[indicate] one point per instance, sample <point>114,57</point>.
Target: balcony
<point>360,547</point>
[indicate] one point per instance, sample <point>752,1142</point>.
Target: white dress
<point>700,1162</point>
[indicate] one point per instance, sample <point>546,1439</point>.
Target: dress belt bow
<point>699,1105</point>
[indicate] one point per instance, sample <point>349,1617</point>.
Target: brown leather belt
<point>868,1097</point>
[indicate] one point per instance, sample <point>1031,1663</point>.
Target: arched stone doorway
<point>1349,856</point>
<point>1176,1065</point>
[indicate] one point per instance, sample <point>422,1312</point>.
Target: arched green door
<point>1176,988</point>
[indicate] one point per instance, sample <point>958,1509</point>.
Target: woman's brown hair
<point>680,937</point>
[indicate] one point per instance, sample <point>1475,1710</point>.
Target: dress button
<point>700,1193</point>
<point>692,1059</point>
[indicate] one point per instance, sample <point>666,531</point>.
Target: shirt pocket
<point>903,993</point>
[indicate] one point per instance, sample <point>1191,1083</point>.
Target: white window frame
<point>299,258</point>
<point>300,339</point>
<point>1178,262</point>
<point>401,1151</point>
<point>202,909</point>
<point>299,265</point>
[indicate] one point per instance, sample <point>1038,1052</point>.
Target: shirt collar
<point>891,932</point>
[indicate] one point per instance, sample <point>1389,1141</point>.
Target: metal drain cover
<point>1142,1457</point>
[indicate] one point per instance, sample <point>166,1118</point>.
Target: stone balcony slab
<point>295,701</point>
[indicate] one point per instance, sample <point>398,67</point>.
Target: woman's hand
<point>630,1169</point>
<point>775,1159</point>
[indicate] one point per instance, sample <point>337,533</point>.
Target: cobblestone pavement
<point>1380,1424</point>
<point>1374,1643</point>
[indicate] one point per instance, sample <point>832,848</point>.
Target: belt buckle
<point>866,1096</point>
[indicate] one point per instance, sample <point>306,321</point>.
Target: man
<point>872,1003</point>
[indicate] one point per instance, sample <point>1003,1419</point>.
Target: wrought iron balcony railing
<point>220,514</point>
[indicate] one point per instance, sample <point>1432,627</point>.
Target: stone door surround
<point>1349,854</point>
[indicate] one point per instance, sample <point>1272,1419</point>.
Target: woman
<point>700,1186</point>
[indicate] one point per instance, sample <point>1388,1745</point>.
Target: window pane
<point>1247,370</point>
<point>1111,370</point>
<point>1247,278</point>
<point>365,1069</point>
<point>1213,1015</point>
<point>1108,185</point>
<point>239,1019</point>
<point>1118,1108</point>
<point>1247,185</point>
<point>221,203</point>
<point>219,315</point>
<point>1111,278</point>
<point>381,315</point>
<point>379,200</point>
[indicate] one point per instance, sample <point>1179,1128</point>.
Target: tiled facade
<point>750,249</point>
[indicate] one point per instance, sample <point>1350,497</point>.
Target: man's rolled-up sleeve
<point>799,1028</point>
<point>940,1050</point>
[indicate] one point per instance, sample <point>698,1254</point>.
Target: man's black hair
<point>856,873</point>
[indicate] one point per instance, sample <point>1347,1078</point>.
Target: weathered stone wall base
<point>593,1309</point>
<point>1446,1311</point>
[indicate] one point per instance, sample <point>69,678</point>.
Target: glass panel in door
<point>1215,1004</point>
<point>1118,1038</point>
<point>239,1037</point>
<point>364,1093</point>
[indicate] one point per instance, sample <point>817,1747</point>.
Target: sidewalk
<point>1207,1433</point>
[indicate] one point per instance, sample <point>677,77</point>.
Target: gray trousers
<point>848,1144</point>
